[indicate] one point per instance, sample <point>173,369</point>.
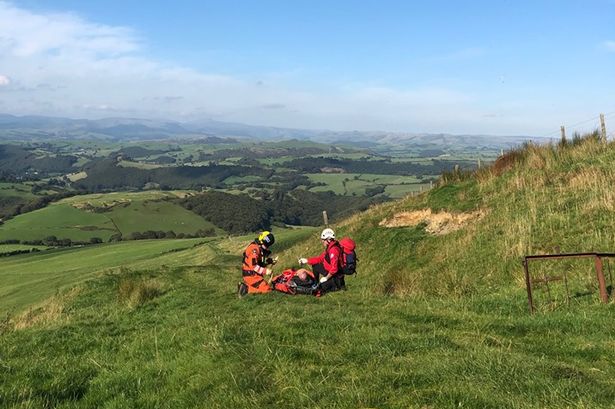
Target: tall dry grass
<point>136,291</point>
<point>52,311</point>
<point>537,198</point>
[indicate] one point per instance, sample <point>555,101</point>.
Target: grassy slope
<point>29,279</point>
<point>183,340</point>
<point>552,197</point>
<point>165,216</point>
<point>62,221</point>
<point>65,221</point>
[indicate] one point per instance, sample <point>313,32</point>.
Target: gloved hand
<point>272,260</point>
<point>303,260</point>
<point>323,279</point>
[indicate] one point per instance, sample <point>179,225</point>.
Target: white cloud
<point>61,64</point>
<point>609,45</point>
<point>24,34</point>
<point>4,80</point>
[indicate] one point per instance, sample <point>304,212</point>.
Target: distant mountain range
<point>37,127</point>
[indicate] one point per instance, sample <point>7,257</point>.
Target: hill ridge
<point>533,199</point>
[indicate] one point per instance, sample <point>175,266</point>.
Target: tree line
<point>104,174</point>
<point>260,152</point>
<point>21,161</point>
<point>11,206</point>
<point>241,213</point>
<point>380,167</point>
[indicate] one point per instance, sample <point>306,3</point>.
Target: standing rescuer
<point>328,264</point>
<point>256,258</point>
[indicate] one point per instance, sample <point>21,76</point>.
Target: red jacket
<point>330,258</point>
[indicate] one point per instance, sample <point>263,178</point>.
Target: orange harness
<point>253,259</point>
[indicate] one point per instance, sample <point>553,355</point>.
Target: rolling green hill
<point>357,184</point>
<point>30,279</point>
<point>26,280</point>
<point>62,221</point>
<point>20,190</point>
<point>102,215</point>
<point>532,201</point>
<point>435,318</point>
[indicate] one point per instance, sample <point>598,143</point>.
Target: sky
<point>474,67</point>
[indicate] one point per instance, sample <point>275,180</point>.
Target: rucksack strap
<point>340,259</point>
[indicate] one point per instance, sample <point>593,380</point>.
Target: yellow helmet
<point>266,238</point>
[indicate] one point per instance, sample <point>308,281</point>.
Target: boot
<point>242,290</point>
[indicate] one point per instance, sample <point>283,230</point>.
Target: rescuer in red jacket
<point>328,265</point>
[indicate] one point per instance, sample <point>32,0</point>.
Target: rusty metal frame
<point>604,296</point>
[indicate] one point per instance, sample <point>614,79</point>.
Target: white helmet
<point>327,234</point>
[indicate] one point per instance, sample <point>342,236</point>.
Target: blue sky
<point>498,67</point>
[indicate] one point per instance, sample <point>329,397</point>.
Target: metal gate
<point>598,262</point>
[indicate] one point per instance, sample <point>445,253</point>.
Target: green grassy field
<point>31,278</point>
<point>355,184</point>
<point>62,221</point>
<point>242,179</point>
<point>7,248</point>
<point>165,216</point>
<point>166,330</point>
<point>341,155</point>
<point>295,143</point>
<point>16,189</point>
<point>98,199</point>
<point>127,213</point>
<point>429,321</point>
<point>139,165</point>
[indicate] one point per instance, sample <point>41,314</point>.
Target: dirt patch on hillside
<point>73,177</point>
<point>103,206</point>
<point>183,195</point>
<point>437,223</point>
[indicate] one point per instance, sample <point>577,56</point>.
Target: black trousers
<point>333,284</point>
